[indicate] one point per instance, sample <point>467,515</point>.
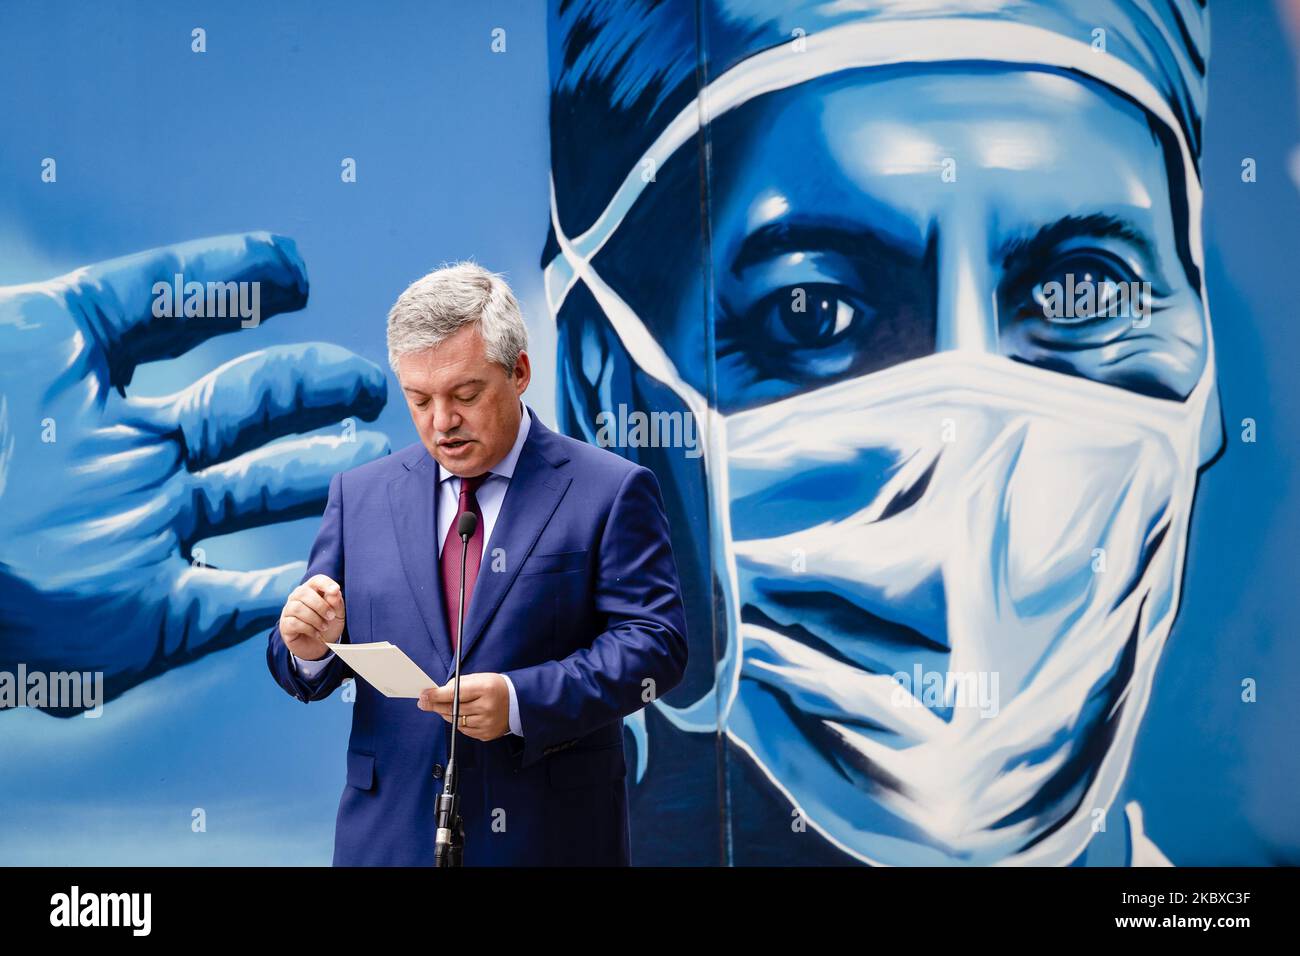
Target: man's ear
<point>522,372</point>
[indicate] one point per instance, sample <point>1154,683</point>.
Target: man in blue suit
<point>573,615</point>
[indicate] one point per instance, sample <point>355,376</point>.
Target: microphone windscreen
<point>466,525</point>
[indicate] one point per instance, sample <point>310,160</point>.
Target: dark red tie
<point>451,548</point>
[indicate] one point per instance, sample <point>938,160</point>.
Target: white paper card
<point>386,667</point>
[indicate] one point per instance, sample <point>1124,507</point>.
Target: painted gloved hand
<point>103,494</point>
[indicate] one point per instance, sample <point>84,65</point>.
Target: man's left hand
<point>484,705</point>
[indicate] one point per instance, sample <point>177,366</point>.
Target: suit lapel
<point>413,506</point>
<point>534,493</point>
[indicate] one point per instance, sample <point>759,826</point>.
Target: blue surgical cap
<point>622,70</point>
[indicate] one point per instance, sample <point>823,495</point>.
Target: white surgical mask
<point>963,509</point>
<point>1005,522</point>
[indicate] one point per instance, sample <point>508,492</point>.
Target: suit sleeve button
<point>437,770</point>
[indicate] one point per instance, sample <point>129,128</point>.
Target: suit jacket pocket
<point>569,769</point>
<point>559,561</point>
<point>361,770</point>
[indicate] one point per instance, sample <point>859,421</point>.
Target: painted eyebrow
<point>1095,226</point>
<point>853,242</point>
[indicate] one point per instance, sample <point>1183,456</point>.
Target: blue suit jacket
<point>577,600</point>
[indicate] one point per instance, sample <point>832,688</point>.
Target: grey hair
<point>449,298</point>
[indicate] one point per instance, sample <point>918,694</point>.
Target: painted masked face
<point>948,520</point>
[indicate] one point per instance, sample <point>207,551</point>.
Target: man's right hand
<point>312,615</point>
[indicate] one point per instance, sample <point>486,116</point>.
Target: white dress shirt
<point>491,493</point>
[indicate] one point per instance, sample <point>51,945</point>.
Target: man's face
<point>464,406</point>
<point>918,213</point>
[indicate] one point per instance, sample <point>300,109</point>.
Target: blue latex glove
<point>97,526</point>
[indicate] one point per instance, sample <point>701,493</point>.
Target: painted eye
<point>813,316</point>
<point>1083,288</point>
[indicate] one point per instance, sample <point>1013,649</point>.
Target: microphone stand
<point>449,843</point>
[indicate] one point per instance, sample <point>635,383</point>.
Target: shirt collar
<point>506,466</point>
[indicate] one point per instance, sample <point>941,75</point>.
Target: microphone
<point>449,842</point>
